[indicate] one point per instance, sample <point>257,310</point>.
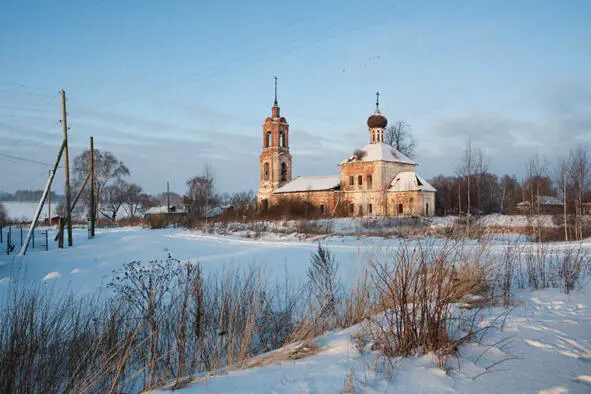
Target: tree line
<point>115,195</point>
<point>28,196</point>
<point>474,189</point>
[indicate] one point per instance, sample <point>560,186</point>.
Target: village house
<point>546,205</point>
<point>376,180</point>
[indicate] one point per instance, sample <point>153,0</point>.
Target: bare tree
<point>399,136</point>
<point>579,174</point>
<point>61,209</point>
<point>465,171</point>
<point>134,200</point>
<point>510,193</point>
<point>200,196</point>
<point>536,185</point>
<point>481,171</point>
<point>564,182</point>
<point>115,197</point>
<point>243,202</point>
<point>107,170</point>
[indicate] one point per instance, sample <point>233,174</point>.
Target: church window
<point>352,209</point>
<point>283,172</point>
<point>266,171</point>
<point>427,209</point>
<point>268,139</point>
<point>369,182</point>
<point>369,209</point>
<point>400,208</point>
<point>283,139</point>
<point>351,180</point>
<point>322,209</point>
<point>360,210</point>
<point>360,180</point>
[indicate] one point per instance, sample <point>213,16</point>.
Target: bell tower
<point>275,160</point>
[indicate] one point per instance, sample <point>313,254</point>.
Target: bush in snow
<point>417,294</point>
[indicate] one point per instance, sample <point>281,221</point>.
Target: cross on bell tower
<point>275,160</point>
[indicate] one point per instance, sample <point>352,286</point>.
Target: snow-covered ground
<point>545,342</point>
<point>544,347</point>
<point>89,265</point>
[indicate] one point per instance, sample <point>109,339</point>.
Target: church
<point>376,180</point>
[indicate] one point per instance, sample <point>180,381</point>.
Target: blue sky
<point>171,86</point>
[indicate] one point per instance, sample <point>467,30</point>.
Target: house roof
<point>164,209</point>
<point>544,200</point>
<point>379,152</point>
<point>410,181</point>
<point>310,183</point>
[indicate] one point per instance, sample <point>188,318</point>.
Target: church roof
<point>410,181</point>
<point>310,183</point>
<point>379,152</point>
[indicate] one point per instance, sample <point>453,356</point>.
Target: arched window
<point>266,171</point>
<point>283,172</point>
<point>282,139</point>
<point>268,139</point>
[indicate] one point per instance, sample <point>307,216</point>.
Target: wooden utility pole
<point>49,202</point>
<point>563,170</point>
<point>67,169</point>
<point>92,204</point>
<point>167,203</point>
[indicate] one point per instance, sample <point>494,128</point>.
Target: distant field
<point>24,211</point>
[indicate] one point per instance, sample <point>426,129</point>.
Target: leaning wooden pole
<point>80,191</point>
<point>67,170</point>
<point>92,202</point>
<point>25,245</point>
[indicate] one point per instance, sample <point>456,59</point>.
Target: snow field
<point>544,345</point>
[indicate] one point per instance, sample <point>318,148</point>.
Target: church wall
<point>357,203</point>
<point>327,198</point>
<point>413,203</point>
<point>364,169</point>
<point>382,174</point>
<point>361,201</point>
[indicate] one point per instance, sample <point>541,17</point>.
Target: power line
<point>23,159</point>
<point>31,94</point>
<point>24,86</point>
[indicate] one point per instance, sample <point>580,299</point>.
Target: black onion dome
<point>377,120</point>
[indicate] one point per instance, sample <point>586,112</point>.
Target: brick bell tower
<point>275,161</point>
